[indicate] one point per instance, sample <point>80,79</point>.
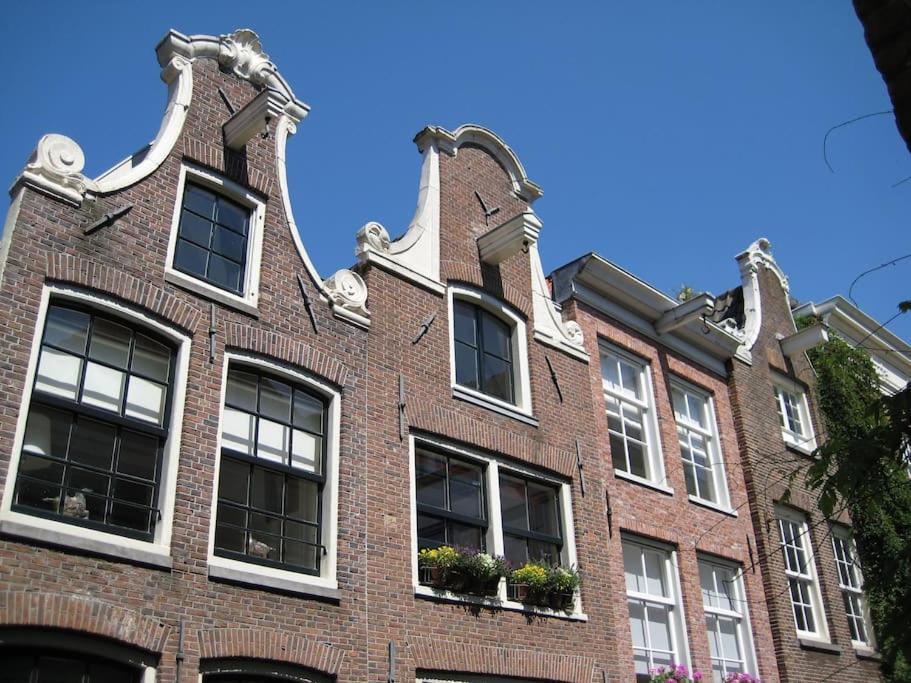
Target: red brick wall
<point>768,464</point>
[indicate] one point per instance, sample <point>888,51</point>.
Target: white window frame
<point>494,539</point>
<point>326,583</point>
<point>803,575</point>
<point>712,442</point>
<point>673,602</point>
<point>804,440</point>
<point>522,409</point>
<point>156,552</point>
<point>249,299</point>
<point>654,461</point>
<point>741,617</point>
<point>853,593</point>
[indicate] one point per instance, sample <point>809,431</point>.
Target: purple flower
<point>697,675</point>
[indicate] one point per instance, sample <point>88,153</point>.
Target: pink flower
<point>697,675</point>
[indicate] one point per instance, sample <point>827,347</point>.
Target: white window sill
<point>256,575</point>
<point>243,304</point>
<point>484,401</point>
<point>644,482</point>
<point>865,651</point>
<point>90,540</point>
<point>818,645</point>
<point>713,506</point>
<point>798,444</point>
<point>495,602</point>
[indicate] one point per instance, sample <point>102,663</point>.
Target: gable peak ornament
<point>242,53</point>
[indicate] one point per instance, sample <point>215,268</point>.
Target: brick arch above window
<point>66,268</point>
<point>464,273</point>
<point>84,615</point>
<point>434,655</point>
<point>272,645</point>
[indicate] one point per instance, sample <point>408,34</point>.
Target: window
<point>699,446</point>
<point>272,472</point>
<point>97,424</point>
<point>630,422</point>
<point>654,607</point>
<point>475,502</point>
<point>451,505</point>
<point>726,621</point>
<point>851,583</point>
<point>212,238</point>
<point>42,665</point>
<point>793,414</point>
<point>237,670</point>
<point>489,358</point>
<point>799,570</point>
<point>216,239</point>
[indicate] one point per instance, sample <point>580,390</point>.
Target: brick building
<point>163,520</point>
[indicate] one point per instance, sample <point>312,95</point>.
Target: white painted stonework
<point>758,254</point>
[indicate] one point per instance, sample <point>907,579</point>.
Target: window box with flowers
<point>535,583</point>
<point>475,573</point>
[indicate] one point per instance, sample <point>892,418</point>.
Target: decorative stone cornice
<point>348,292</point>
<point>757,255</point>
<point>55,167</point>
<point>508,238</point>
<point>372,237</point>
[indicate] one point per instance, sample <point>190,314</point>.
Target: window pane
<point>308,412</point>
<point>78,501</point>
<point>659,627</point>
<point>195,229</point>
<point>711,627</point>
<point>47,432</point>
<point>300,545</point>
<point>229,244</point>
<point>34,494</point>
<point>58,373</point>
<point>618,452</point>
<point>138,455</point>
<point>145,400</point>
<point>241,390</point>
<point>306,452</point>
<point>496,335</point>
<point>224,273</point>
<point>632,568</point>
<point>66,328</point>
<point>229,537</point>
<point>464,536</point>
<point>466,360</point>
<point>264,541</point>
<point>431,479</point>
<point>542,509</point>
<point>512,503</point>
<point>237,431</point>
<point>103,387</point>
<point>706,484</point>
<point>93,444</point>
<point>465,482</point>
<point>190,258</point>
<point>199,200</point>
<point>41,468</point>
<point>273,441</point>
<point>232,215</point>
<point>547,553</point>
<point>275,400</point>
<point>431,531</point>
<point>497,379</point>
<point>654,573</point>
<point>110,343</point>
<point>267,491</point>
<point>131,516</point>
<point>464,323</point>
<point>729,640</point>
<point>637,462</point>
<point>629,375</point>
<point>232,481</point>
<point>302,499</point>
<point>516,550</point>
<point>637,623</point>
<point>151,359</point>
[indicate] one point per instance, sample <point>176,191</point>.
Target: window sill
<point>495,603</point>
<point>463,394</point>
<point>221,568</point>
<point>713,506</point>
<point>89,540</point>
<point>867,653</point>
<point>207,291</point>
<point>806,448</point>
<point>667,490</point>
<point>819,646</point>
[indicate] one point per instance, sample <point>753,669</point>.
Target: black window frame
<point>446,515</point>
<point>526,535</point>
<point>286,470</point>
<point>79,411</point>
<point>213,221</point>
<point>87,661</point>
<point>479,313</point>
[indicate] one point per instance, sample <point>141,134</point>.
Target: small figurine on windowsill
<point>73,505</point>
<point>258,548</point>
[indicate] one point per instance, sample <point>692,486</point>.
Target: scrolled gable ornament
<point>348,291</point>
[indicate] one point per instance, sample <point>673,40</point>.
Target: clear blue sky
<point>667,135</point>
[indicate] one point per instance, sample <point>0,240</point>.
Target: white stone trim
<point>519,340</point>
<point>549,326</point>
<point>495,542</point>
<point>758,254</point>
<point>326,584</point>
<point>248,301</point>
<point>156,552</point>
<point>805,441</point>
<point>9,227</point>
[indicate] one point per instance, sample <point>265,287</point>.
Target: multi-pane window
<point>272,472</point>
<point>531,520</point>
<point>626,397</point>
<point>654,608</point>
<point>483,351</point>
<point>97,424</point>
<point>696,434</point>
<point>851,583</point>
<point>212,238</point>
<point>724,604</point>
<point>32,666</point>
<point>450,502</point>
<point>793,416</point>
<point>802,585</point>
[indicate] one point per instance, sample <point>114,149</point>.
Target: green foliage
<point>563,579</point>
<point>862,467</point>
